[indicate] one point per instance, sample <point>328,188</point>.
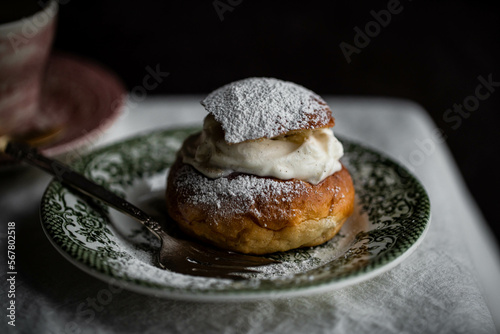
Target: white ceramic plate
<point>391,216</point>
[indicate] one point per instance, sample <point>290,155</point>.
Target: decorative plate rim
<point>369,271</point>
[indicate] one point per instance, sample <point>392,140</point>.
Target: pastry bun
<point>258,215</point>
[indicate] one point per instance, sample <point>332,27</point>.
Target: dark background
<point>432,52</point>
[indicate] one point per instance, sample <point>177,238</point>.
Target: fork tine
<point>194,268</point>
<point>227,258</point>
<point>186,257</point>
<point>226,265</point>
<point>224,260</point>
<point>222,270</point>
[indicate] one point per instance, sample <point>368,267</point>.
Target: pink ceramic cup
<point>24,50</point>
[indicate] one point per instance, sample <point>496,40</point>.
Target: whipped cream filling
<point>307,155</point>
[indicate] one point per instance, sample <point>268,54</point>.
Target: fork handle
<point>63,173</point>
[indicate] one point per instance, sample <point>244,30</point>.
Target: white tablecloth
<point>449,284</point>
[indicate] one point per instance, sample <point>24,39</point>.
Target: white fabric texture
<point>435,290</point>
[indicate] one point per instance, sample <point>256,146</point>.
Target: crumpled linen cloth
<point>435,290</point>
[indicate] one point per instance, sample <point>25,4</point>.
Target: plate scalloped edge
<point>393,200</point>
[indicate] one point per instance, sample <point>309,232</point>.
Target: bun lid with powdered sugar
<point>256,108</point>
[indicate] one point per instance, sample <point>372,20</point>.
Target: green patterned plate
<point>391,217</point>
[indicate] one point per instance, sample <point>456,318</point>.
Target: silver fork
<point>181,256</point>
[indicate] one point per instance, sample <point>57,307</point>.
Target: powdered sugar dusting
<point>243,191</point>
<point>264,108</point>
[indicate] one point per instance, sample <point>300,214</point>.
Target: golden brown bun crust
<point>266,216</point>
